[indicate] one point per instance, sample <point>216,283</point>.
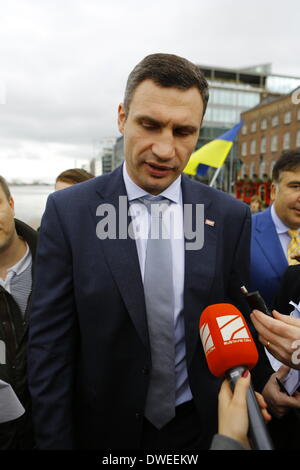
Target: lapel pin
<point>210,222</point>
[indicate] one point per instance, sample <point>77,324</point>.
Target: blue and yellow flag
<point>212,154</point>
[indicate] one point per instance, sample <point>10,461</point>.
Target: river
<point>30,202</point>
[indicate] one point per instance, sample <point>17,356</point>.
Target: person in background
<point>17,251</point>
<point>274,246</point>
<point>255,204</point>
<point>73,176</point>
<point>275,232</point>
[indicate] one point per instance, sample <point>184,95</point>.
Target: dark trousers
<point>184,432</point>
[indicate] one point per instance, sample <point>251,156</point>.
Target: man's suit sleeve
<point>52,336</point>
<point>239,275</point>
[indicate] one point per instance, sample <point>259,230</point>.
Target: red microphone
<point>226,339</point>
<point>230,350</point>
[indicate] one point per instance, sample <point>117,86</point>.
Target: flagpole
<point>215,176</point>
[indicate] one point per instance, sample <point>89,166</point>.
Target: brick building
<point>269,128</point>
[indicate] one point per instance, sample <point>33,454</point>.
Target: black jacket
<point>16,434</point>
<point>289,290</point>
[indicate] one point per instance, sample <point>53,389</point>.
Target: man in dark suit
<point>93,346</point>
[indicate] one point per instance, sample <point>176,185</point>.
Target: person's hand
<point>280,335</point>
<point>279,403</point>
<point>233,413</point>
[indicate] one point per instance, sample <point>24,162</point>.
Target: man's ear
<point>121,118</point>
<point>273,193</point>
<point>11,202</point>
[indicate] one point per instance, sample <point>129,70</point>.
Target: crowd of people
<point>100,328</point>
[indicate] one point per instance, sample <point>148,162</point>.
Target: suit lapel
<point>200,264</point>
<point>121,254</point>
<point>268,240</point>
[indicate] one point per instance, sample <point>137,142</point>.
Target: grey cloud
<point>65,63</point>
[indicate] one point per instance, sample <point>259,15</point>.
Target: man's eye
<point>182,132</point>
<point>148,125</point>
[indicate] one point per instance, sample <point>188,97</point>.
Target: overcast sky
<point>64,64</point>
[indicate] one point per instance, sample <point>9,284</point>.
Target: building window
<point>275,121</point>
<point>287,117</point>
<point>253,147</point>
<point>243,171</point>
<point>247,99</point>
<point>262,168</point>
<point>244,130</point>
<point>244,149</point>
<point>274,143</point>
<point>286,140</point>
<point>222,115</point>
<point>252,169</point>
<point>253,126</point>
<point>298,138</point>
<point>263,124</point>
<point>263,144</point>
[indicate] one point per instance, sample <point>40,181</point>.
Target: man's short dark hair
<point>5,187</point>
<point>288,161</point>
<point>166,70</point>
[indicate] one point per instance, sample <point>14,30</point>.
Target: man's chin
<point>156,186</point>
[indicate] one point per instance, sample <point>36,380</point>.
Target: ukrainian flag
<point>212,154</point>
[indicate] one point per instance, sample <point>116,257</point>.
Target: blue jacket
<point>268,261</point>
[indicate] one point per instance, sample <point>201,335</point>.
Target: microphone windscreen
<point>226,339</point>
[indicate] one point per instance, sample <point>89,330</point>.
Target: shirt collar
<point>134,191</point>
<point>21,265</point>
<point>279,225</point>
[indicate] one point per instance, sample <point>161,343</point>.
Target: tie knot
<point>293,233</point>
<point>159,202</point>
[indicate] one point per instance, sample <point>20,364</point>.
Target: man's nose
<point>164,146</point>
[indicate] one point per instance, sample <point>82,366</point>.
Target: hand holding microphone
<point>232,409</point>
<point>234,405</point>
<point>230,350</point>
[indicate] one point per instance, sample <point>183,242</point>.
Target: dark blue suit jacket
<point>268,261</point>
<point>89,355</point>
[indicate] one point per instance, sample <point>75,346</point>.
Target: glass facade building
<point>232,92</point>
